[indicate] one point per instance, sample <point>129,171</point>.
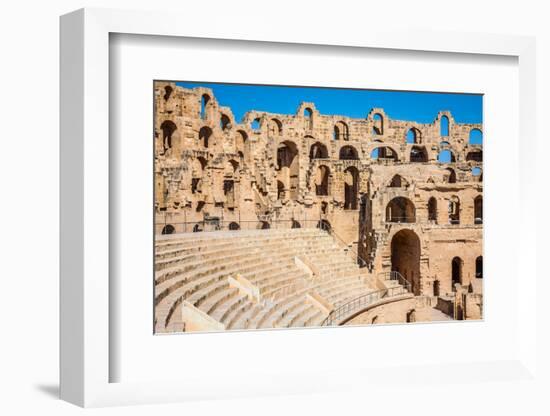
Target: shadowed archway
<point>405,257</point>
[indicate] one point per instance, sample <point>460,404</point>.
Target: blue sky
<point>401,105</point>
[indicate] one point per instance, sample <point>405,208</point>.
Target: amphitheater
<point>312,220</point>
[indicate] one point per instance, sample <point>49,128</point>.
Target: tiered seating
<point>196,268</point>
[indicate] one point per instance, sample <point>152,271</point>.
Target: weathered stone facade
<point>375,182</point>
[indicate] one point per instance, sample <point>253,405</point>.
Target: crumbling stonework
<point>376,183</point>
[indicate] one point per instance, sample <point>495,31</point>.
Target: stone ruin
<point>377,186</point>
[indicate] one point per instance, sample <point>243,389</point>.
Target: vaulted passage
<point>456,271</point>
<point>204,136</point>
<point>348,153</point>
<point>341,131</point>
<point>400,209</point>
<point>479,267</point>
<point>478,210</point>
<point>168,229</point>
<point>168,128</point>
<point>318,151</point>
<point>475,156</point>
<point>321,180</point>
<point>418,154</point>
<point>405,257</point>
<point>432,210</point>
<point>351,187</point>
<point>454,210</point>
<point>288,168</point>
<point>398,182</point>
<point>384,153</point>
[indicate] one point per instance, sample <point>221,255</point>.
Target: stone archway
<point>456,271</point>
<point>288,168</point>
<point>401,210</point>
<point>351,187</point>
<point>405,257</point>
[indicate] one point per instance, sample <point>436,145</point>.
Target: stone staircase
<point>199,271</point>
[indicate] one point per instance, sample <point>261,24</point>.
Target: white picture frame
<point>86,356</point>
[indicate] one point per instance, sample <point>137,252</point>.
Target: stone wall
<point>396,311</point>
<point>375,181</point>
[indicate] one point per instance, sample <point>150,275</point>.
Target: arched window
<point>296,224</point>
<point>413,136</point>
<point>205,99</point>
<point>384,153</point>
<point>308,115</point>
<point>446,156</point>
<point>202,163</point>
<point>351,187</point>
<point>341,131</point>
<point>229,192</point>
<point>197,228</point>
<point>167,92</point>
<point>196,185</point>
<point>456,271</point>
<point>475,155</point>
<point>444,126</point>
<point>454,210</point>
<point>204,136</point>
<point>264,225</point>
<point>233,226</point>
<point>452,175</point>
<point>478,210</point>
<point>321,180</point>
<point>476,137</point>
<point>432,210</point>
<point>419,154</point>
<point>288,168</point>
<point>275,128</point>
<point>377,125</point>
<point>197,172</point>
<point>225,122</point>
<point>168,229</point>
<point>240,140</point>
<point>255,125</point>
<point>479,267</point>
<point>348,153</point>
<point>411,316</point>
<point>231,167</point>
<point>400,209</point>
<point>476,173</point>
<point>168,128</point>
<point>397,182</point>
<point>318,151</point>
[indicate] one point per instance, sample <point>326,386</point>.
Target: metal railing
<point>395,275</point>
<point>350,308</point>
<point>166,226</point>
<point>215,224</point>
<point>355,305</point>
<point>435,224</point>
